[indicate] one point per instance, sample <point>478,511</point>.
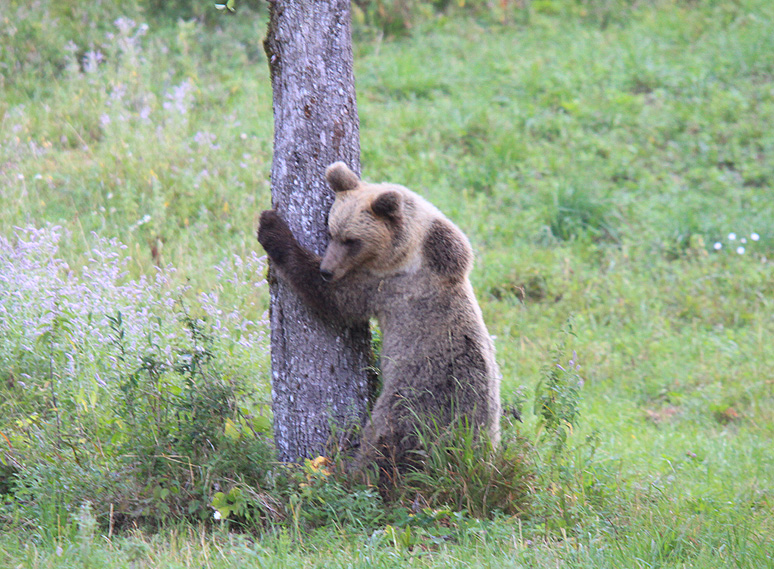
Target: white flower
<point>740,250</point>
<point>743,240</point>
<point>754,236</point>
<point>216,515</point>
<point>731,236</point>
<point>718,245</point>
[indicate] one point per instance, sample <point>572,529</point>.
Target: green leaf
<point>230,5</point>
<point>262,424</point>
<point>231,430</point>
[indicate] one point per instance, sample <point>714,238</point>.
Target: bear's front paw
<point>275,236</point>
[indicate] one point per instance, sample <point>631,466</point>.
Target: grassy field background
<point>612,164</point>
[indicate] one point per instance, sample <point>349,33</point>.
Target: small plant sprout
<point>557,397</point>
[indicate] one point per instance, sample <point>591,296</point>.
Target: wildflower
<point>574,361</point>
<point>203,137</point>
<point>180,97</point>
<point>731,236</point>
<point>117,93</point>
<point>124,25</point>
<point>754,236</point>
<point>216,515</point>
<point>743,240</point>
<point>142,221</point>
<point>91,61</point>
<point>101,382</point>
<point>36,286</point>
<point>718,245</point>
<point>740,250</point>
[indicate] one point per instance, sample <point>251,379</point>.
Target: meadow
<point>612,162</point>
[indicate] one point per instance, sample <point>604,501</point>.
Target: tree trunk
<point>320,370</point>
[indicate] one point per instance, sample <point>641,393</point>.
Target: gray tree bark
<point>320,370</point>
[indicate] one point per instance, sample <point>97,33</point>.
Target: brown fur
<point>394,256</point>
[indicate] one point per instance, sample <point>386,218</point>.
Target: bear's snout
<point>335,263</point>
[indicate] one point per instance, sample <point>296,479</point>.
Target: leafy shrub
<point>320,495</point>
<point>132,395</point>
<point>392,17</point>
<point>398,17</point>
<point>557,398</point>
<point>568,478</point>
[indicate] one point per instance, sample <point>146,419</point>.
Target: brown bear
<point>393,256</point>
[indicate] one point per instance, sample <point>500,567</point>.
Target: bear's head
<point>366,225</point>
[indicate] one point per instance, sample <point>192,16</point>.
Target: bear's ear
<point>341,178</point>
<point>386,204</point>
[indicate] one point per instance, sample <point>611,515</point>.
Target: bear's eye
<point>352,244</point>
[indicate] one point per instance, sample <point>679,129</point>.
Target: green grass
<point>593,156</point>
